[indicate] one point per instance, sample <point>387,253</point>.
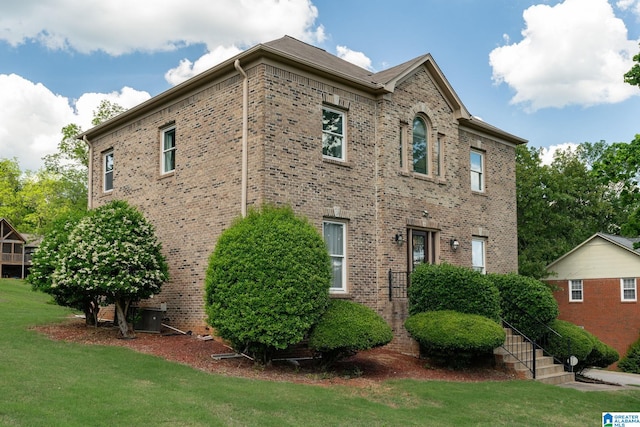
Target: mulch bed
<point>364,369</point>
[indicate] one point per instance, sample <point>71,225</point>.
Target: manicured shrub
<point>346,328</point>
<point>453,338</point>
<point>601,356</point>
<point>268,281</point>
<point>523,300</point>
<point>448,287</point>
<point>113,252</point>
<point>581,341</point>
<point>631,361</point>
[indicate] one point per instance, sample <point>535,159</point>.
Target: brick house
<point>389,166</point>
<point>597,288</point>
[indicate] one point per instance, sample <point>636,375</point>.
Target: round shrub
<point>601,356</point>
<point>346,328</point>
<point>454,338</point>
<point>267,281</point>
<point>523,300</point>
<point>631,361</point>
<point>448,287</point>
<point>581,341</point>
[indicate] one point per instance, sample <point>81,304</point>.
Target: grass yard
<point>47,383</point>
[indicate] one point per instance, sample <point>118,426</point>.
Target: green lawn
<point>46,383</point>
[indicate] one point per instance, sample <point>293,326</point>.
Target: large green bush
<point>448,287</point>
<point>523,300</point>
<point>581,341</point>
<point>602,355</point>
<point>346,328</point>
<point>268,281</point>
<point>454,338</point>
<point>113,252</point>
<point>631,361</point>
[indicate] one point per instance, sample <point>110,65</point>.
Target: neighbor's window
<point>628,289</point>
<point>477,171</point>
<point>478,255</point>
<point>575,290</point>
<point>333,134</point>
<point>168,150</point>
<point>334,236</point>
<point>420,158</point>
<point>108,170</point>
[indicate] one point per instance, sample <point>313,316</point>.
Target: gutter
<point>245,120</point>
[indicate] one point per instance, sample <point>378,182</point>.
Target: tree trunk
<point>91,309</point>
<point>122,308</point>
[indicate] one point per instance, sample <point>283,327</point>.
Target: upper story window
<point>334,237</point>
<point>420,146</point>
<point>575,290</point>
<point>333,134</point>
<point>628,289</point>
<point>107,163</point>
<point>477,171</point>
<point>168,150</point>
<point>478,252</point>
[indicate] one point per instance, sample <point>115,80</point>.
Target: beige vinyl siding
<point>597,259</point>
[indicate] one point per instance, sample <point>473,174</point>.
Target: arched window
<point>420,146</point>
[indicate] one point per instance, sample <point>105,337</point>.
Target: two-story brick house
<point>390,167</point>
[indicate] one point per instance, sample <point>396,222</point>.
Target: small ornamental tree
<point>267,282</point>
<point>113,252</point>
<point>44,263</point>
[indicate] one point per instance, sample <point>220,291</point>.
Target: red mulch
<point>364,369</point>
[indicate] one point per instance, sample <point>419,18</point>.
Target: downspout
<point>245,157</point>
<point>89,174</point>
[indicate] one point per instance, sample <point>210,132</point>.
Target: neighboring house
<point>598,288</point>
<point>389,166</point>
<point>15,251</point>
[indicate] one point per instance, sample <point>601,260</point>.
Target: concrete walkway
<point>615,380</point>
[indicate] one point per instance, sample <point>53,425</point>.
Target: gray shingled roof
<point>627,242</point>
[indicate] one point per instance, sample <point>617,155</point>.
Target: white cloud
<point>633,5</point>
<point>31,117</point>
<point>357,58</point>
<point>548,152</point>
<point>573,53</point>
<point>188,69</point>
<point>123,26</point>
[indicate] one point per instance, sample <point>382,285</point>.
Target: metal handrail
<point>530,365</point>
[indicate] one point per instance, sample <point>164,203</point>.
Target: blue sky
<point>548,71</point>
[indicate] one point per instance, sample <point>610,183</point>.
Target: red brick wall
<point>601,312</point>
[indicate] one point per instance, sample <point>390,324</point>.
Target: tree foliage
<point>268,281</point>
<point>633,75</point>
<point>113,253</point>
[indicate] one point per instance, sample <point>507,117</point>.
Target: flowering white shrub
<point>113,252</point>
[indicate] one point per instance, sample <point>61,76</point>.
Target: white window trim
<point>480,268</point>
<point>481,172</point>
<point>163,151</point>
<point>571,283</point>
<point>622,289</point>
<point>342,290</point>
<point>344,134</point>
<point>104,171</point>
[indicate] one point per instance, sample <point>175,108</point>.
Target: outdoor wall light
<point>454,244</point>
<point>398,239</point>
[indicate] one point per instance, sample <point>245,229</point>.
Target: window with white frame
<point>478,251</point>
<point>477,170</point>
<point>575,290</point>
<point>333,134</point>
<point>107,163</point>
<point>334,237</point>
<point>628,289</point>
<point>420,146</point>
<point>168,150</point>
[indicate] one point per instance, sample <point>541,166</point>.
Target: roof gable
<point>7,232</point>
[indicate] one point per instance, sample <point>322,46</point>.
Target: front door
<point>422,248</point>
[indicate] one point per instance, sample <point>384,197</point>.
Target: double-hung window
<point>333,134</point>
<point>168,150</point>
<point>478,252</point>
<point>334,237</point>
<point>107,162</point>
<point>477,171</point>
<point>420,147</point>
<point>628,289</point>
<point>575,291</point>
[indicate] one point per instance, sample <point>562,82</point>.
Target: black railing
<point>520,349</point>
<point>398,283</point>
